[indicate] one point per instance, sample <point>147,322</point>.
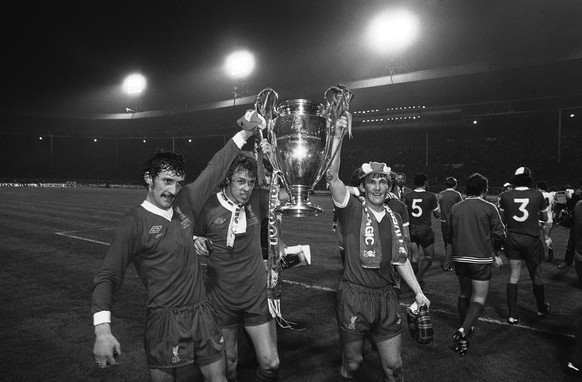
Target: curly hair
<point>476,184</point>
<point>163,161</point>
<point>245,161</point>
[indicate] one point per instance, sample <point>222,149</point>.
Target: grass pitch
<point>52,243</point>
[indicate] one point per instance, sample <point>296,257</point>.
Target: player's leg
<point>570,246</point>
<point>230,335</point>
<point>264,338</point>
<point>163,375</point>
<point>351,353</point>
<point>215,371</point>
<point>390,352</point>
<point>547,230</point>
<point>414,256</point>
<point>515,275</point>
<point>535,273</point>
<point>426,262</point>
<point>463,303</point>
<point>480,289</point>
<point>464,298</point>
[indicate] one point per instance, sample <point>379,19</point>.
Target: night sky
<point>73,56</point>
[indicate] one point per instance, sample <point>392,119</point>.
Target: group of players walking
<point>476,233</point>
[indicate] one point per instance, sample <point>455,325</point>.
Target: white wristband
<point>101,317</point>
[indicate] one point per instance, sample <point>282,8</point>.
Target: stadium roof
<point>69,59</point>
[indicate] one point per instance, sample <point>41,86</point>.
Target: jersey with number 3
<point>521,207</point>
<point>420,206</point>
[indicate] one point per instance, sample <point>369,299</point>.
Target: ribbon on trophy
<point>338,100</point>
<point>274,260</point>
<point>265,105</point>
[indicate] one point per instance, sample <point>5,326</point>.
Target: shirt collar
<point>166,214</point>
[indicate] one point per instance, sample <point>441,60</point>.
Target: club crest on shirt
<point>371,253</point>
<point>184,220</point>
<point>352,325</point>
<point>155,229</point>
<point>176,357</point>
<point>251,217</point>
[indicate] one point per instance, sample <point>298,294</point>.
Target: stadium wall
<point>495,147</point>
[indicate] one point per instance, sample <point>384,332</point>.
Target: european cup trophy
<point>300,132</point>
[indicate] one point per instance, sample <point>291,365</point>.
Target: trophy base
<point>299,210</point>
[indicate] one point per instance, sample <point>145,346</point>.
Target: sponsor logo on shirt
<point>155,229</point>
<point>219,221</point>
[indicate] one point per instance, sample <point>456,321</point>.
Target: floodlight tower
<point>239,65</point>
<point>389,34</point>
<point>134,86</point>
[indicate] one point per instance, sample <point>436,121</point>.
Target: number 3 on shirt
<point>522,204</point>
<point>416,207</point>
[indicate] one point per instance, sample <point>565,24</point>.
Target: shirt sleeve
<point>343,203</point>
<point>115,264</point>
<point>192,198</point>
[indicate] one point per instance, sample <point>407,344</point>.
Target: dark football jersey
<point>521,208</point>
<point>420,206</point>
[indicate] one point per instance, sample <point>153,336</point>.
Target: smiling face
<point>376,188</point>
<point>240,186</point>
<point>162,189</point>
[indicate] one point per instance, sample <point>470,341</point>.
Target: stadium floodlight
<point>392,31</point>
<point>240,64</point>
<point>134,84</point>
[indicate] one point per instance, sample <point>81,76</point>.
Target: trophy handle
<point>266,105</point>
<point>338,100</point>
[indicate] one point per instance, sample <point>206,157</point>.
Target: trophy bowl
<point>300,136</point>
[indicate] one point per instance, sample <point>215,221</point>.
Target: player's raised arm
<point>337,187</point>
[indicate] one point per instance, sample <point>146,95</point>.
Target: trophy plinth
<point>298,204</point>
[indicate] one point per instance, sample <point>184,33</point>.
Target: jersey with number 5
<point>521,208</point>
<point>420,205</point>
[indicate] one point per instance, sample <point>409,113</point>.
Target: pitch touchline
<point>326,289</point>
<point>69,234</point>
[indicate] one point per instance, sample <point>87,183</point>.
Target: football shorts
<point>421,234</point>
<point>180,336</point>
<point>481,272</point>
<point>362,310</point>
<point>529,248</point>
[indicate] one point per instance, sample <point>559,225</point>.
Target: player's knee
<point>397,374</point>
<point>352,364</point>
<point>270,364</point>
<point>231,365</point>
